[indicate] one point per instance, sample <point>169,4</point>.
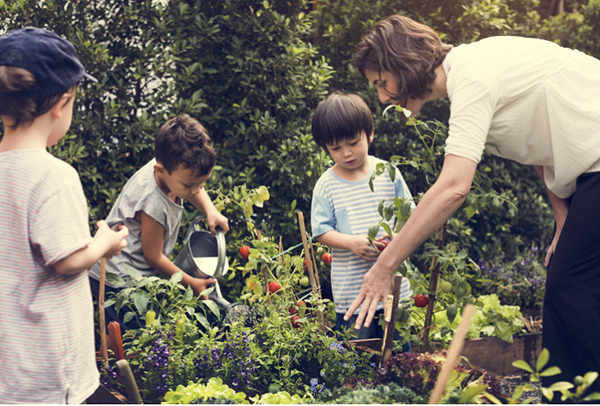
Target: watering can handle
<point>193,226</point>
<point>221,251</point>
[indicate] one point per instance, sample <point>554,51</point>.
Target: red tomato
<point>295,321</point>
<point>421,300</point>
<point>383,241</point>
<point>300,303</point>
<point>274,287</point>
<point>245,251</point>
<point>292,311</point>
<point>326,258</point>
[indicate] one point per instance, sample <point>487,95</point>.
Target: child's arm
<point>358,244</point>
<point>152,247</point>
<point>202,202</point>
<point>106,243</point>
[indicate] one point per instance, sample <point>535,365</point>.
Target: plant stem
<point>433,280</point>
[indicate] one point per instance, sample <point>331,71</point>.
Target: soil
<point>532,317</point>
<point>509,383</point>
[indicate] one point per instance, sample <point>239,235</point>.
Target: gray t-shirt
<point>141,193</point>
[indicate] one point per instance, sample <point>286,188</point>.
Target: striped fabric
<point>47,350</point>
<point>350,207</point>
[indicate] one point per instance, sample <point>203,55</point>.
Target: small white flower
<point>407,112</point>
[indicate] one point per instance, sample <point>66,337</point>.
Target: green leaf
<point>212,306</point>
<point>561,386</point>
<point>373,230</point>
<point>177,277</point>
<point>391,170</point>
<point>551,371</point>
<point>470,392</point>
<point>451,312</point>
<point>141,300</point>
<point>131,271</point>
<point>115,279</point>
<point>542,360</point>
<point>522,365</point>
<point>589,378</point>
<point>592,396</point>
<point>492,398</point>
<point>548,394</point>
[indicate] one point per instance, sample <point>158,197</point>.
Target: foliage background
<point>252,72</point>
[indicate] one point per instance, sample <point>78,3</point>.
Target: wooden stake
<point>281,257</point>
<point>309,266</point>
<point>454,351</point>
<point>391,309</point>
<point>103,345</point>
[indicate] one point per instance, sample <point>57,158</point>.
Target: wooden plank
<point>496,355</point>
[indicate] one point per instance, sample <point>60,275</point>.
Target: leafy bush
<point>370,394</point>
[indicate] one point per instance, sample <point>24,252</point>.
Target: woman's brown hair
<point>23,110</point>
<point>408,50</point>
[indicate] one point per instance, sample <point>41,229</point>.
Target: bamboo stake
<point>391,310</point>
<point>454,351</point>
<point>103,345</point>
<point>309,266</point>
<point>318,281</point>
<point>281,257</point>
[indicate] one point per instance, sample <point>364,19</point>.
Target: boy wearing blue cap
<point>47,352</point>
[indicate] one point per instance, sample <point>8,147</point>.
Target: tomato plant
<point>295,321</point>
<point>327,258</point>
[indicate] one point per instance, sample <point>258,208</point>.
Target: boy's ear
<point>57,109</point>
<point>159,168</point>
<point>370,137</point>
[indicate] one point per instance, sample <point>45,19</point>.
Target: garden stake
<point>103,348</point>
<point>312,251</point>
<point>125,372</point>
<point>281,257</point>
<point>454,351</point>
<point>265,273</point>
<point>435,272</point>
<point>311,276</point>
<point>391,310</point>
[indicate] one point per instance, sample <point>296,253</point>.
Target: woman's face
<point>387,87</point>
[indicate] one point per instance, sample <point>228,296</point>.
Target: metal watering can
<point>204,256</point>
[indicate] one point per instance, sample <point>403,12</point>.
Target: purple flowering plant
<point>520,282</point>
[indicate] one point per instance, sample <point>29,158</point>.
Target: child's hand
<point>362,247</point>
<point>215,219</point>
<point>199,285</point>
<point>115,240</point>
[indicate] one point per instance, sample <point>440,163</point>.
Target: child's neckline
<point>371,162</point>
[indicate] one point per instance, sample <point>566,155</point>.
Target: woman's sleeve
<point>474,97</point>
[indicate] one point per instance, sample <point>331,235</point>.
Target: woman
<point>524,99</point>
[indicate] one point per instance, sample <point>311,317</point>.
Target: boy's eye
<point>187,186</point>
<point>354,143</point>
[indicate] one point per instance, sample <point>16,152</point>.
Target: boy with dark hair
<point>151,204</point>
<point>47,350</point>
<point>343,205</point>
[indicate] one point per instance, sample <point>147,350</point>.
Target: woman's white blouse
<point>528,100</point>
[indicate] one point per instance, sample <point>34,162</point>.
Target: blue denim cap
<point>51,59</point>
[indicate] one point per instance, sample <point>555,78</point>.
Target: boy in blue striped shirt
<point>343,205</point>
